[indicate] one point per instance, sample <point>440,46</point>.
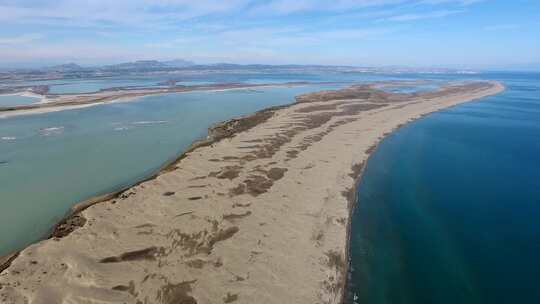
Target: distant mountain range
<point>68,67</point>
<point>148,65</point>
<point>140,65</point>
<point>73,70</point>
<point>171,65</point>
<point>179,63</point>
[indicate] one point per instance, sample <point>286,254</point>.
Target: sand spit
<point>257,213</point>
<point>61,102</point>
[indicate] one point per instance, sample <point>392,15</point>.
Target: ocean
<point>448,208</point>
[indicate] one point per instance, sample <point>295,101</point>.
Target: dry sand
<point>258,213</point>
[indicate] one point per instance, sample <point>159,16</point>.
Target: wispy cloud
<point>21,39</point>
<point>355,34</point>
<point>420,16</point>
<point>288,7</point>
<point>458,2</point>
<point>298,6</point>
<point>501,27</point>
<point>276,31</point>
<point>104,12</point>
<point>165,13</point>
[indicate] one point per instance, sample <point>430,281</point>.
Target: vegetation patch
<point>143,254</point>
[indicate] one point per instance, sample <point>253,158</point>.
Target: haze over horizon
<point>441,33</point>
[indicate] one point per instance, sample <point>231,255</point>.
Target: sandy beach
<point>256,213</point>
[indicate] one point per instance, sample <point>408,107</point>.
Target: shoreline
<point>72,101</point>
<point>233,127</point>
<point>353,194</point>
<point>215,134</point>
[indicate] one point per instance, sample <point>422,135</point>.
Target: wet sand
<point>256,213</point>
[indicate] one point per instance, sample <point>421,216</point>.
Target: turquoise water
<point>49,162</point>
<point>448,210</point>
<point>15,100</point>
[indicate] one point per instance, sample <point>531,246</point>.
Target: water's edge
<point>216,132</point>
<point>358,174</point>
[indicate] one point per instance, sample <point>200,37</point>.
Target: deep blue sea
<point>448,209</point>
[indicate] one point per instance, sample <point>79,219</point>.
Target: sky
<point>427,33</point>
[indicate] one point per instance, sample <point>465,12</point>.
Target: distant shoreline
<point>284,158</point>
<point>61,102</point>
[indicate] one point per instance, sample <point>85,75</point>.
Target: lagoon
<point>49,162</point>
<point>15,100</point>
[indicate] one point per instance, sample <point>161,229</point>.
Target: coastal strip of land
<point>259,212</point>
<point>59,102</point>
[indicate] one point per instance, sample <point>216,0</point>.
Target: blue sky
<point>475,33</point>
